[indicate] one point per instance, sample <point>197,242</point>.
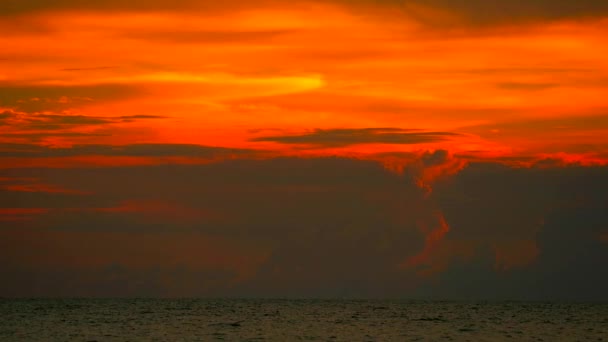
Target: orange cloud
<point>218,75</point>
<point>434,237</point>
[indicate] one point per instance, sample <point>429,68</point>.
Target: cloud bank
<point>306,227</point>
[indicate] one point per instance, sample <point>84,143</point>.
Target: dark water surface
<point>292,320</point>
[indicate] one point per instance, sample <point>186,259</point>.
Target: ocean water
<point>293,320</point>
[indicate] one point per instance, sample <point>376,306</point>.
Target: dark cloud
<point>58,122</point>
<point>560,210</point>
<point>325,226</point>
<point>34,99</point>
<point>345,137</point>
<point>120,276</point>
<point>436,158</point>
<point>52,122</point>
<point>41,136</point>
<point>494,192</point>
<point>509,10</point>
<point>110,281</point>
<point>288,205</point>
<point>134,150</point>
<point>569,265</point>
<point>38,127</point>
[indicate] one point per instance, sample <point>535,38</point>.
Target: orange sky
<point>244,76</point>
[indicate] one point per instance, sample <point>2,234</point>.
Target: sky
<point>443,149</point>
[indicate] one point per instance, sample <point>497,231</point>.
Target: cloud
<point>42,136</point>
<point>34,127</point>
<point>117,280</point>
<point>320,227</point>
<point>158,264</point>
<point>566,264</point>
<point>133,150</point>
<point>52,122</point>
<point>265,203</point>
<point>345,137</point>
<point>525,228</point>
<point>34,98</point>
<point>37,127</point>
<point>502,11</point>
<point>59,122</point>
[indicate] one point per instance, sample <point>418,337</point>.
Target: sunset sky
<point>387,148</point>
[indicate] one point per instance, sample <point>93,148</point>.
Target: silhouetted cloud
<point>133,150</point>
<point>56,121</point>
<point>501,212</point>
<point>34,137</point>
<point>42,98</point>
<point>309,230</point>
<point>345,137</point>
<point>33,127</point>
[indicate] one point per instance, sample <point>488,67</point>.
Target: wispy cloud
<point>43,98</point>
<point>57,122</point>
<point>133,150</point>
<point>345,137</point>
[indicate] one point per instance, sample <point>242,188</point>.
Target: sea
<point>298,320</point>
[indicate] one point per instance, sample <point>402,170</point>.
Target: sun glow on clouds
<point>312,65</point>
